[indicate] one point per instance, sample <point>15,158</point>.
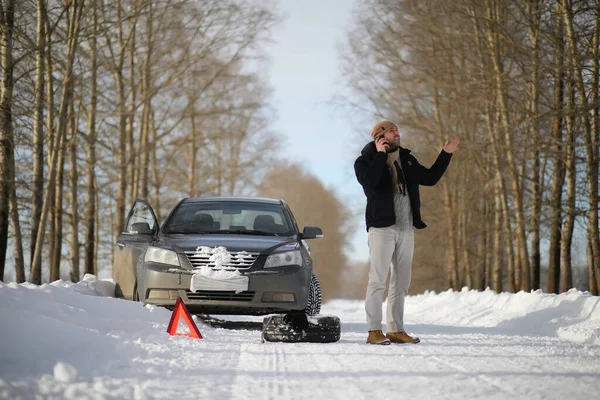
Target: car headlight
<point>163,256</point>
<point>285,258</point>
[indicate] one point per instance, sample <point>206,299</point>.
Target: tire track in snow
<point>566,369</point>
<point>261,373</point>
<point>463,370</point>
<point>519,366</point>
<point>476,356</point>
<point>197,369</point>
<point>303,371</point>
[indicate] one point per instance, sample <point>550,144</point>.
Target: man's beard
<point>392,147</point>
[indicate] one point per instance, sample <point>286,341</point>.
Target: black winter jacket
<point>374,175</point>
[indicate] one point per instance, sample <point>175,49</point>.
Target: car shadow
<point>226,324</point>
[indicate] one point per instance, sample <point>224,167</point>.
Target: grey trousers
<point>389,245</point>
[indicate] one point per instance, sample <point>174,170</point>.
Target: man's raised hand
<point>449,147</point>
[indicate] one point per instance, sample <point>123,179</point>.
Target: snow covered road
<point>68,341</point>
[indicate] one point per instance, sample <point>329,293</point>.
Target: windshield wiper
<point>246,232</point>
<point>191,232</point>
<point>227,231</point>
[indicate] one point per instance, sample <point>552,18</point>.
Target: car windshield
<point>245,218</point>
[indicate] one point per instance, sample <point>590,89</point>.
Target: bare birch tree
<point>7,163</point>
<point>558,170</point>
<point>591,148</point>
<point>38,133</point>
<point>72,38</point>
<point>91,193</point>
<point>534,17</point>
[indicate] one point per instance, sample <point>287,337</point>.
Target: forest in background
<point>105,102</point>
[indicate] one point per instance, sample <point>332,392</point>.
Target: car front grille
<point>239,259</point>
<point>220,295</point>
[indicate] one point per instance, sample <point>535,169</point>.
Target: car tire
<point>118,291</point>
<point>136,295</point>
<point>313,303</point>
<point>320,329</point>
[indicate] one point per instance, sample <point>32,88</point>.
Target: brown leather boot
<point>401,337</point>
<point>377,337</point>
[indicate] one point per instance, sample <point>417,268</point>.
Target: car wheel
<point>118,291</point>
<point>320,329</point>
<point>136,295</point>
<point>313,304</point>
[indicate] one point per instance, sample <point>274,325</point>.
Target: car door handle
<point>121,245</point>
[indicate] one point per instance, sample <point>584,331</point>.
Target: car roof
<point>233,199</point>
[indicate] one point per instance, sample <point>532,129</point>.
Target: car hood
<point>249,243</point>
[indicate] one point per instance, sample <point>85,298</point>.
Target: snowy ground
<point>74,341</point>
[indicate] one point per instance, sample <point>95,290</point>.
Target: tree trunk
<point>501,210</point>
<point>192,185</point>
<point>17,237</point>
<point>511,256</point>
<point>155,170</point>
<point>567,236</point>
<point>7,150</point>
<point>121,156</point>
<point>594,284</point>
<point>590,147</point>
<point>97,234</point>
<point>37,190</point>
<point>35,275</point>
<point>558,172</point>
<point>90,209</point>
<point>452,253</point>
<point>144,152</point>
<point>466,259</point>
<point>482,248</point>
<point>489,234</point>
<point>122,124</point>
<point>147,99</point>
<point>132,164</point>
<point>56,250</point>
<point>497,244</point>
<point>73,179</point>
<point>536,182</point>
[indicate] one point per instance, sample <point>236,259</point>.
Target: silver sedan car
<point>221,255</point>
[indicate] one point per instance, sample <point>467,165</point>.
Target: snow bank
<point>70,323</point>
<point>573,316</point>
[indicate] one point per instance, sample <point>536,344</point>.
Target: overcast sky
<point>305,69</point>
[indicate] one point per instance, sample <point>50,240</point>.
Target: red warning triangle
<point>179,311</point>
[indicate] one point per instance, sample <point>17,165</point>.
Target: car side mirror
<point>312,232</point>
<point>141,228</point>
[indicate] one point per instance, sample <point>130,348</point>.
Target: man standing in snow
<point>390,177</point>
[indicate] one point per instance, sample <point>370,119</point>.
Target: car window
<point>291,216</point>
<point>229,217</point>
<point>140,213</point>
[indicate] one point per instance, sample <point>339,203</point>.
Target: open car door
<point>140,230</point>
